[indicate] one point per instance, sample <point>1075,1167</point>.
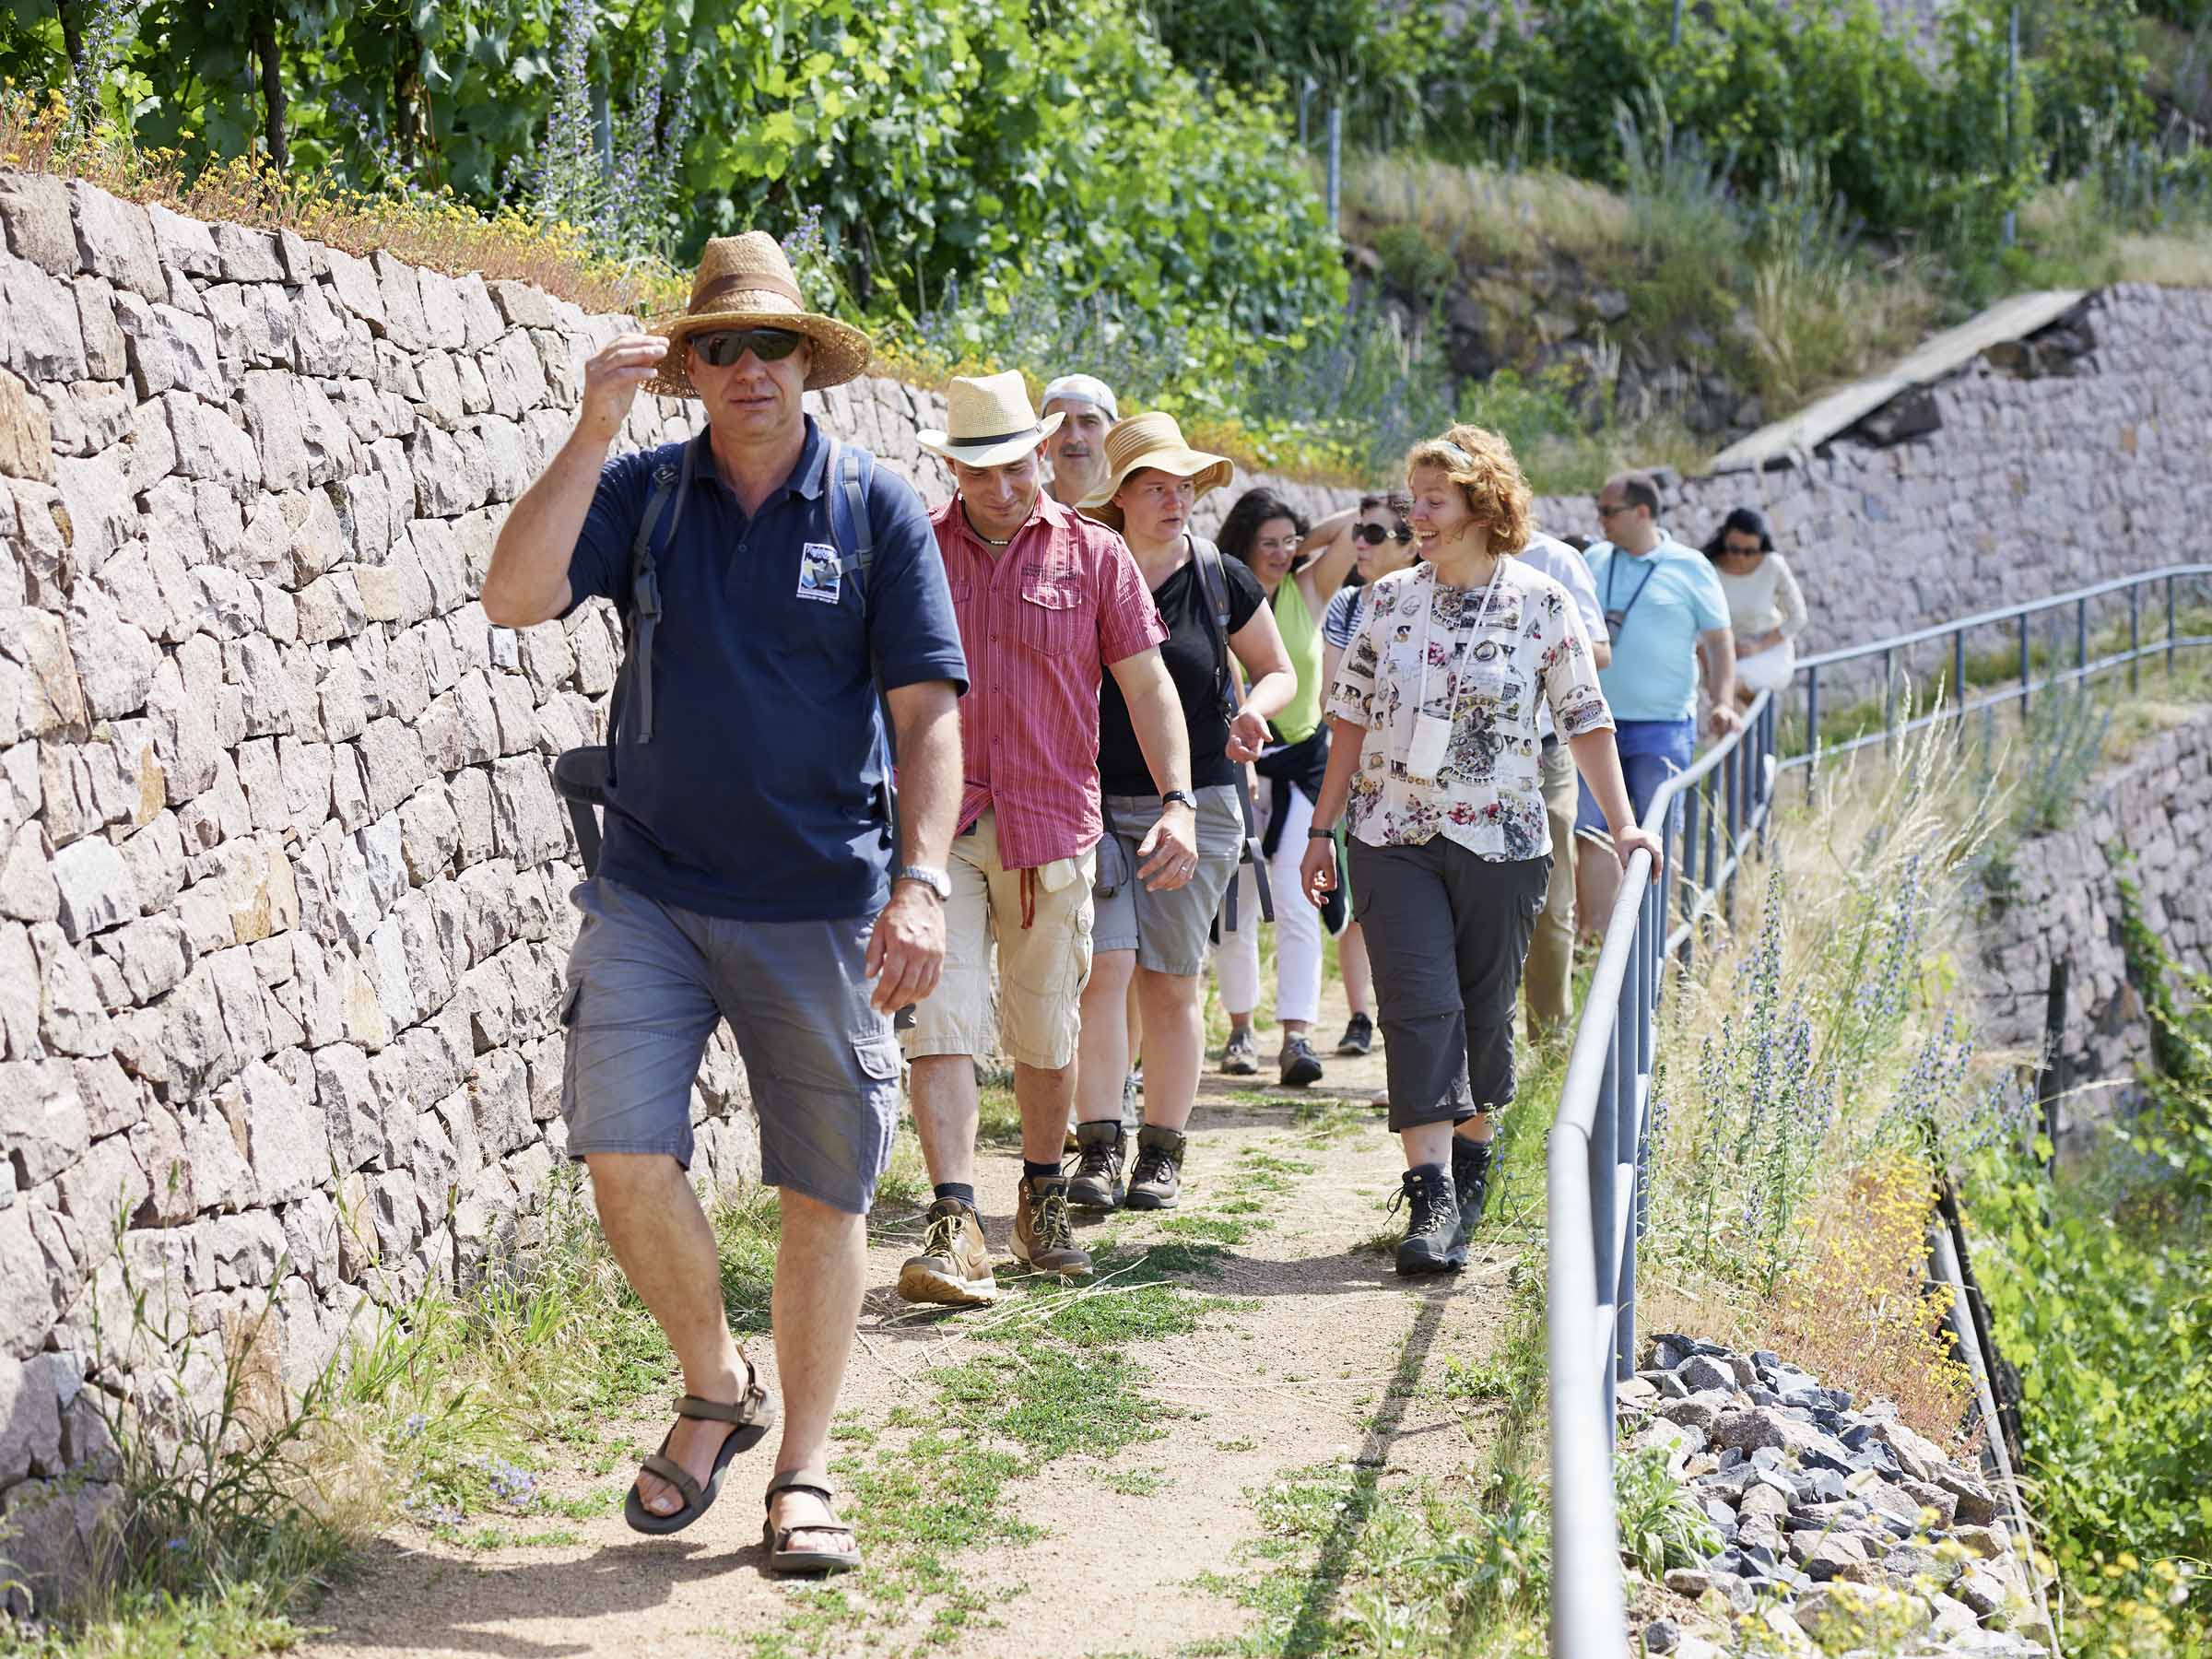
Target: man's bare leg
<point>660,1235</point>
<point>821,1269</point>
<point>1175,1042</point>
<point>1044,1097</point>
<point>1104,1045</point>
<point>947,1115</point>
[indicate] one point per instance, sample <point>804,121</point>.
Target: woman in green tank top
<point>1301,569</point>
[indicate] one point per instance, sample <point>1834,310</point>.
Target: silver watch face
<point>936,881</point>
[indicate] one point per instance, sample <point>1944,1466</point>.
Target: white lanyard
<point>1482,618</point>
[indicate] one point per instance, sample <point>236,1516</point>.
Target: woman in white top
<point>1765,609</point>
<point>1434,747</point>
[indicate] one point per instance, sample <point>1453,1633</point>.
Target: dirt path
<point>1296,1369</point>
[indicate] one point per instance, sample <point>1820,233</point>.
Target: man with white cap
<point>1048,602</point>
<point>1077,447</point>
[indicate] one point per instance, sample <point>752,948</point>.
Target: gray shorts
<point>647,982</point>
<point>1447,932</point>
<point>1168,931</point>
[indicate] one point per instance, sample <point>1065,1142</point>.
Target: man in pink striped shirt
<point>1048,602</point>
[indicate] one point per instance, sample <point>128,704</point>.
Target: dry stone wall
<point>2146,821</point>
<point>2042,472</point>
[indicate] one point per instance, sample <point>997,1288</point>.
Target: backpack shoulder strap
<point>1212,581</point>
<point>645,588</point>
<point>846,475</point>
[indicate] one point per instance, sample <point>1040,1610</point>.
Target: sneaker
<point>1434,1241</point>
<point>1241,1058</point>
<point>1043,1235</point>
<point>1097,1182</point>
<point>1358,1036</point>
<point>954,1267</point>
<point>1300,1065</point>
<point>1471,1178</point>
<point>1156,1182</point>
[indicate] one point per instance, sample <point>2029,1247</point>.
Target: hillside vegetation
<point>1779,193</point>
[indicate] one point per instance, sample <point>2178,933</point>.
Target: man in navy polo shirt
<point>747,872</point>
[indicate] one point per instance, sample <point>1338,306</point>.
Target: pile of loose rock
<point>1840,1530</point>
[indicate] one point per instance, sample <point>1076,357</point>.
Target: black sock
<point>1435,1169</point>
<point>1039,1172</point>
<point>962,1190</point>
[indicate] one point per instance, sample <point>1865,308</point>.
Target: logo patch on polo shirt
<point>821,575</point>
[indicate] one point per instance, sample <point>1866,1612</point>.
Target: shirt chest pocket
<point>1055,611</point>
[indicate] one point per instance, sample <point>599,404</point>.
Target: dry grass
<point>1817,321</point>
<point>1508,216</point>
<point>444,234</point>
<point>2173,258</point>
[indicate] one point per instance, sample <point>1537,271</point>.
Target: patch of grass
<point>1135,1483</point>
<point>1000,1124</point>
<point>1216,1230</point>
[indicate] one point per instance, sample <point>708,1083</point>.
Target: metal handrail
<point>1705,818</point>
<point>1957,704</point>
<point>1595,1162</point>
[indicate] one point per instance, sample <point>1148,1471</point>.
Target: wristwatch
<point>1179,797</point>
<point>935,880</point>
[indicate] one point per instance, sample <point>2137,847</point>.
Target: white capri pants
<point>1297,924</point>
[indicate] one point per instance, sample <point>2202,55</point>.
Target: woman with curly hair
<point>1434,749</point>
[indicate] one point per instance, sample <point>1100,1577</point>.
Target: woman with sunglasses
<point>1299,570</point>
<point>1383,535</point>
<point>1766,607</point>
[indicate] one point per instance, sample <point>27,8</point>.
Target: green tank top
<point>1302,638</point>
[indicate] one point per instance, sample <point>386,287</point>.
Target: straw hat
<point>989,422</point>
<point>746,282</point>
<point>1151,439</point>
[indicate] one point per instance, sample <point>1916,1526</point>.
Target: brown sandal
<point>753,1414</point>
<point>775,1538</point>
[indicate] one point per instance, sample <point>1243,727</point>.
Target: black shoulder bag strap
<point>583,777</point>
<point>1212,581</point>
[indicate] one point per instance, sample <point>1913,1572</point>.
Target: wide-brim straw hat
<point>988,421</point>
<point>1155,441</point>
<point>746,282</point>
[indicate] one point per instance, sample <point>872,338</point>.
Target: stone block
<point>170,349</point>
<point>248,254</point>
<point>184,245</point>
<point>57,1532</point>
<point>45,339</point>
<point>43,1126</point>
<point>398,285</point>
<point>71,1018</point>
<point>49,696</point>
<point>34,210</point>
<point>25,433</point>
<point>114,659</point>
<point>96,888</point>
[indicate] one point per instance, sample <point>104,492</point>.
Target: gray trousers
<point>1447,932</point>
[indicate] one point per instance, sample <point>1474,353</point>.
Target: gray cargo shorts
<point>1169,931</point>
<point>647,981</point>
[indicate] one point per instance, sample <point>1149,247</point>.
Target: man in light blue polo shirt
<point>1666,611</point>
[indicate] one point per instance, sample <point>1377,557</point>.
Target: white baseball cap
<point>1082,388</point>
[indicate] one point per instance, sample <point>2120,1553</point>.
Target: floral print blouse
<point>1488,794</point>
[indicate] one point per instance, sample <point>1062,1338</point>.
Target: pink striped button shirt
<point>1041,620</point>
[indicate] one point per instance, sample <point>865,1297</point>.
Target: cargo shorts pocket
<point>1116,869</point>
<point>878,1053</point>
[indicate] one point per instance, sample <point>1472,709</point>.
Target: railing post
<point>1734,770</point>
<point>1958,666</point>
<point>2173,625</point>
<point>2081,638</point>
<point>1812,735</point>
<point>2026,668</point>
<point>2134,637</point>
<point>1889,700</point>
<point>1603,1198</point>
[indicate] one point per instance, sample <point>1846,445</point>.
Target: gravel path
<point>1295,1372</point>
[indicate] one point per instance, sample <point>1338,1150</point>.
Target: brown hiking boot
<point>1043,1235</point>
<point>1097,1182</point>
<point>954,1267</point>
<point>1157,1179</point>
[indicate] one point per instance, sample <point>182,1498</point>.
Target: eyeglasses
<point>1374,536</point>
<point>1605,511</point>
<point>1740,551</point>
<point>725,346</point>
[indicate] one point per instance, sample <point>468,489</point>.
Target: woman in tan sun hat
<point>1159,939</point>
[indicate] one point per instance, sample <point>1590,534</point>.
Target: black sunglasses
<point>725,346</point>
<point>1374,536</point>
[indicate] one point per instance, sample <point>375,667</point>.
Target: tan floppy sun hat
<point>1155,441</point>
<point>746,282</point>
<point>989,422</point>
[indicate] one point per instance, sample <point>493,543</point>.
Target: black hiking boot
<point>1471,1179</point>
<point>1358,1036</point>
<point>1156,1182</point>
<point>1097,1182</point>
<point>1434,1241</point>
<point>1300,1064</point>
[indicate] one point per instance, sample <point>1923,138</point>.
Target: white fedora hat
<point>989,421</point>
